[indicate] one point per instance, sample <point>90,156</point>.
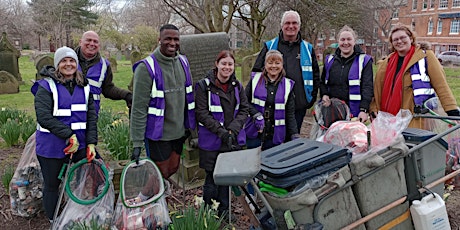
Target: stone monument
<point>9,56</point>
<point>40,61</point>
<point>113,64</point>
<point>8,83</point>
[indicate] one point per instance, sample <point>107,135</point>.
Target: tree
<point>254,13</point>
<point>206,15</point>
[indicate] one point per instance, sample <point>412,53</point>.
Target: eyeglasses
<point>402,38</point>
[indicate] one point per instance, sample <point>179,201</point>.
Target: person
<point>98,71</point>
<point>221,112</point>
<point>163,107</point>
<point>67,121</point>
<point>299,61</point>
<point>410,75</point>
<point>268,123</point>
<point>347,75</point>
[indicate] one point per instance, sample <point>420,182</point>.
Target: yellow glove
<point>72,145</point>
<point>90,152</point>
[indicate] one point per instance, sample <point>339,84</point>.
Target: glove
<point>72,145</point>
<point>129,100</point>
<point>90,152</point>
<point>227,139</point>
<point>295,136</point>
<point>454,112</point>
<point>136,154</point>
<point>259,121</point>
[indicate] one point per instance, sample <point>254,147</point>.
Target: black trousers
<point>211,191</point>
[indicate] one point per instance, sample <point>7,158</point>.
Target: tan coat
<point>437,79</point>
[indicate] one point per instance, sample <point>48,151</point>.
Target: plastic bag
<point>348,134</point>
<point>87,184</point>
<point>326,116</point>
<point>27,183</point>
<point>142,202</point>
<point>386,128</point>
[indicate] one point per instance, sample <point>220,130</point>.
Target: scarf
<point>392,94</point>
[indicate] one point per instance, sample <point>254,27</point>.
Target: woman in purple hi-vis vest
<point>221,111</point>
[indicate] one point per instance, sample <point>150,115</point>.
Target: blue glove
<point>259,121</point>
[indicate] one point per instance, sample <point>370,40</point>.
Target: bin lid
<point>299,155</point>
<point>421,135</point>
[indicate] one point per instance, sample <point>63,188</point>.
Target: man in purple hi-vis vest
<point>163,107</point>
<point>98,71</point>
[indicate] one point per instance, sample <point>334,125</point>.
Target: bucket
<point>430,213</point>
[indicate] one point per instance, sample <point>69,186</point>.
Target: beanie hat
<point>62,53</point>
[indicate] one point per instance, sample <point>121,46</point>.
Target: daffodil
<point>198,200</point>
<point>215,204</point>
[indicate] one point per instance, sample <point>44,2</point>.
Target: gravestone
<point>9,56</point>
<point>246,68</point>
<point>8,83</point>
<point>113,64</point>
<point>201,51</point>
<point>135,57</point>
<point>40,61</point>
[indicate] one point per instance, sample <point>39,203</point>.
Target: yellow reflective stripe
<point>355,97</point>
<point>95,83</point>
<point>188,89</point>
<point>280,122</point>
<point>156,112</point>
<point>360,65</point>
<point>425,91</point>
<point>78,107</point>
<point>308,82</point>
<point>254,83</point>
<point>257,101</point>
<point>191,106</point>
<point>96,97</point>
<point>354,82</point>
<point>78,125</point>
<point>279,106</point>
<point>307,68</point>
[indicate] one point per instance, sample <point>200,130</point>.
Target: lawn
<point>24,99</point>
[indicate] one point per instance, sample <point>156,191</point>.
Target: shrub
<point>106,118</point>
<point>9,113</point>
<point>28,126</point>
<point>7,176</point>
<point>197,217</point>
<point>10,132</point>
<point>116,138</point>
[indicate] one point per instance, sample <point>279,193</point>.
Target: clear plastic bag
<point>326,116</point>
<point>348,134</point>
<point>83,210</point>
<point>386,128</point>
<point>27,183</point>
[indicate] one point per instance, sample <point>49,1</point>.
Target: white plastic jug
<point>430,213</point>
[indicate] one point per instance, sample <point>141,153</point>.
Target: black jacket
<point>228,102</point>
<point>291,56</point>
<point>338,86</point>
<point>44,110</point>
<point>109,90</point>
<point>291,125</point>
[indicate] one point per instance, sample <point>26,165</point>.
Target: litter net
<point>141,204</point>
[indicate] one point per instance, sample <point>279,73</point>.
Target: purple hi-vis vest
<point>259,96</point>
<point>208,140</point>
<point>157,104</point>
<point>69,109</point>
<point>96,76</point>
<point>354,80</point>
<point>421,82</point>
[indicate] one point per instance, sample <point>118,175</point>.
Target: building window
<point>239,44</point>
<point>443,4</point>
<point>425,4</point>
<point>452,47</point>
<point>412,25</point>
<point>396,13</point>
<point>430,27</point>
<point>432,2</point>
<point>439,30</point>
<point>454,26</point>
<point>456,3</point>
<point>414,5</point>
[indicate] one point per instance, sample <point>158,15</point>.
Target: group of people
<point>166,105</point>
